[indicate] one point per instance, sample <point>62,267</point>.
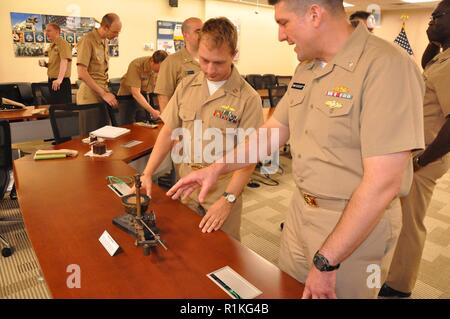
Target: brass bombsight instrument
<point>137,221</point>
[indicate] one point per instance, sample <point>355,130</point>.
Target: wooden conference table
<point>67,206</point>
<point>25,114</point>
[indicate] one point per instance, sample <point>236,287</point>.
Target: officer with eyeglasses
<point>429,165</point>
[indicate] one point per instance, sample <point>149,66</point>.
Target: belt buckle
<point>310,200</point>
<point>196,166</point>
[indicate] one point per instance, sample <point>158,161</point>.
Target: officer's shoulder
<point>382,50</point>
<point>247,89</point>
<point>173,57</point>
<point>89,37</point>
<point>188,80</point>
<point>139,60</point>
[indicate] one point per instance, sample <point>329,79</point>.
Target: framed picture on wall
<point>169,36</point>
<point>29,38</point>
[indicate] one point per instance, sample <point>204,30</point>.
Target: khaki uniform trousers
<point>306,229</point>
<point>405,264</point>
<point>232,225</point>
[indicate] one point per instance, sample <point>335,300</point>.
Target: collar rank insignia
<point>333,104</point>
<point>340,92</point>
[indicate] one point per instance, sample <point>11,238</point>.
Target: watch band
<point>322,263</point>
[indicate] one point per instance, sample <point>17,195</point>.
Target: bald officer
<point>92,62</point>
<point>408,253</point>
<point>351,137</point>
<point>59,66</point>
<point>141,77</point>
<point>180,64</point>
<point>217,98</point>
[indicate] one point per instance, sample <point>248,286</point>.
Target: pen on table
<point>224,285</point>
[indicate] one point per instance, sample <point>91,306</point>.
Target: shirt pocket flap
<point>186,114</point>
<point>295,97</point>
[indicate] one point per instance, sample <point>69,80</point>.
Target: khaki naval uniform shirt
<point>93,53</point>
<point>59,50</point>
<point>437,95</point>
<point>139,75</point>
<point>366,102</point>
<point>235,105</point>
<point>173,69</point>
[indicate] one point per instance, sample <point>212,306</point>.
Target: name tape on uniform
<point>298,86</point>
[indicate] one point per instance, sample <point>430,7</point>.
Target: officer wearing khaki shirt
<point>141,77</point>
<point>92,62</point>
<point>217,98</point>
<point>58,66</point>
<point>351,136</point>
<point>405,263</point>
<point>180,64</point>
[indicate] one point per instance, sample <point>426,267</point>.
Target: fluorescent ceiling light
<point>419,1</point>
<point>348,5</point>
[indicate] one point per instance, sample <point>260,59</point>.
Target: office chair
<point>5,168</point>
<point>255,80</point>
<point>269,81</point>
<point>276,94</point>
<point>10,91</point>
<point>70,120</point>
<point>283,80</point>
<point>41,93</point>
<point>125,113</point>
<point>114,85</point>
<point>26,93</point>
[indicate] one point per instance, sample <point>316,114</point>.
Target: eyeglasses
<point>437,15</point>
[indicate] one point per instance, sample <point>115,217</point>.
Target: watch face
<point>231,198</point>
<point>320,263</point>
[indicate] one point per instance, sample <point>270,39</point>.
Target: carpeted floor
<point>264,210</point>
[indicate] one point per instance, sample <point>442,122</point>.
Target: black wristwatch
<point>322,263</point>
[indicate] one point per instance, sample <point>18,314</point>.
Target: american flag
<point>402,40</point>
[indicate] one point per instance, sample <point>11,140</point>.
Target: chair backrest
<point>269,81</point>
<point>276,94</point>
<point>125,113</point>
<point>115,80</point>
<point>255,80</point>
<point>284,79</point>
<point>114,87</point>
<point>70,120</point>
<point>41,93</point>
<point>26,93</point>
<point>5,156</point>
<point>10,91</point>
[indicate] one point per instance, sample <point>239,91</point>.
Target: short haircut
<point>301,5</point>
<point>218,31</point>
<point>363,15</point>
<point>108,19</point>
<point>54,26</point>
<point>187,24</point>
<point>159,56</point>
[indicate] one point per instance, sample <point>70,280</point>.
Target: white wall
<point>260,50</point>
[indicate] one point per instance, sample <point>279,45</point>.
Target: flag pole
<point>404,18</point>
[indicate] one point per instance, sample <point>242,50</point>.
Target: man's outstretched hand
<point>204,178</point>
